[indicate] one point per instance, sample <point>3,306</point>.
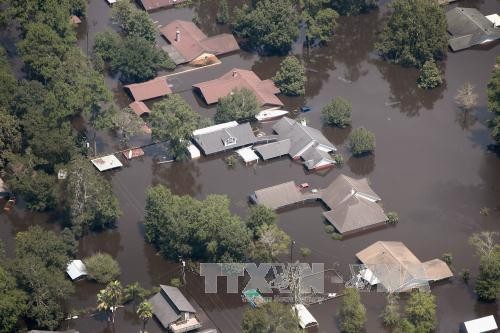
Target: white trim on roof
<point>215,128</point>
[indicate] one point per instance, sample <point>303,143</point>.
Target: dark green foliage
<point>337,112</point>
<point>352,313</point>
<point>320,21</point>
<point>392,218</point>
<point>258,216</point>
<point>8,83</point>
<point>391,316</point>
<point>494,101</point>
<point>271,242</point>
<point>430,76</point>
<point>271,27</point>
<point>353,7</point>
<point>10,135</point>
<point>132,21</point>
<point>173,120</point>
<point>199,230</point>
<point>420,311</point>
<point>291,77</point>
<point>106,43</point>
<point>89,199</point>
<point>415,33</point>
<point>40,268</point>
<point>488,282</point>
<point>13,302</point>
<point>272,317</point>
<point>102,268</point>
<point>239,105</point>
<point>447,258</point>
<point>361,141</point>
<point>222,12</point>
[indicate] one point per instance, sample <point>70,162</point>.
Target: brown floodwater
<point>431,165</point>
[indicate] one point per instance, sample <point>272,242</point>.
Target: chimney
<point>177,35</point>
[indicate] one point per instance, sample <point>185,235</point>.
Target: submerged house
<point>352,203</point>
<point>264,90</point>
<point>480,325</point>
<point>157,4</point>
<point>154,88</point>
<point>76,269</point>
<point>223,137</point>
<point>299,142</point>
<point>173,310</point>
<point>187,43</point>
<point>396,269</point>
<point>468,27</point>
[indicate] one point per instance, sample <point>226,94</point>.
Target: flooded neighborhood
<point>403,216</point>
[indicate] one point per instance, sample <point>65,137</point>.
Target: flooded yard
<point>431,165</point>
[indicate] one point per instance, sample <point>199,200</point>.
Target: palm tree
<point>110,297</point>
<point>145,312</point>
<point>134,292</point>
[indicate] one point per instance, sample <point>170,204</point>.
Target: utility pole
<point>291,250</point>
<point>183,268</point>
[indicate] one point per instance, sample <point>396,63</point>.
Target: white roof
<point>75,269</point>
<point>369,277</point>
<point>3,187</point>
<point>495,19</point>
<point>247,154</point>
<point>215,128</point>
<point>306,319</point>
<point>480,325</point>
<point>193,151</point>
<point>106,163</point>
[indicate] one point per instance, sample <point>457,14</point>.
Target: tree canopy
<point>353,7</point>
<point>174,121</point>
<point>258,216</point>
<point>238,105</point>
<point>337,112</point>
<point>487,248</point>
<point>270,27</point>
<point>430,76</point>
<point>13,302</point>
<point>272,317</point>
<point>291,77</point>
<point>320,21</point>
<point>132,21</point>
<point>352,313</point>
<point>420,311</point>
<point>415,33</point>
<point>199,230</point>
<point>102,268</point>
<point>494,101</point>
<point>361,141</point>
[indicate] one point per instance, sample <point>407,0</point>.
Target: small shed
<point>193,151</point>
<point>306,319</point>
<point>139,108</point>
<point>76,269</point>
<point>248,155</point>
<point>106,163</point>
<point>480,325</point>
<point>133,153</point>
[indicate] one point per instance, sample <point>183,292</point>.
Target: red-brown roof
<point>75,19</point>
<point>236,79</point>
<point>139,108</point>
<point>193,42</point>
<point>133,153</point>
<point>155,4</point>
<point>150,89</point>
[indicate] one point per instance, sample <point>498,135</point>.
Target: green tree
<point>352,313</point>
<point>271,242</point>
<point>420,311</point>
<point>353,7</point>
<point>430,76</point>
<point>238,105</point>
<point>271,27</point>
<point>106,43</point>
<point>258,216</point>
<point>199,230</point>
<point>487,248</point>
<point>109,298</point>
<point>272,317</point>
<point>8,83</point>
<point>337,112</point>
<point>415,33</point>
<point>134,292</point>
<point>13,302</point>
<point>320,25</point>
<point>40,267</point>
<point>174,121</point>
<point>126,123</point>
<point>494,101</point>
<point>10,134</point>
<point>101,267</point>
<point>291,77</point>
<point>90,202</point>
<point>145,312</point>
<point>132,21</point>
<point>222,12</point>
<point>391,316</point>
<point>361,141</point>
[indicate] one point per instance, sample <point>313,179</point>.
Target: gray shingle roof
<point>180,302</point>
<point>273,149</point>
<point>313,156</point>
<point>169,304</point>
<point>213,142</point>
<point>469,27</point>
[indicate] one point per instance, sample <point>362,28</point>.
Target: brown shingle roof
<point>139,108</point>
<point>150,89</point>
<point>193,42</point>
<point>236,79</point>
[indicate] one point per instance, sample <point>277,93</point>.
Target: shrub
<point>392,218</point>
<point>102,268</point>
<point>337,112</point>
<point>336,236</point>
<point>361,141</point>
<point>465,275</point>
<point>430,76</point>
<point>176,282</point>
<point>447,258</point>
<point>329,229</point>
<point>305,251</point>
<point>339,160</point>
